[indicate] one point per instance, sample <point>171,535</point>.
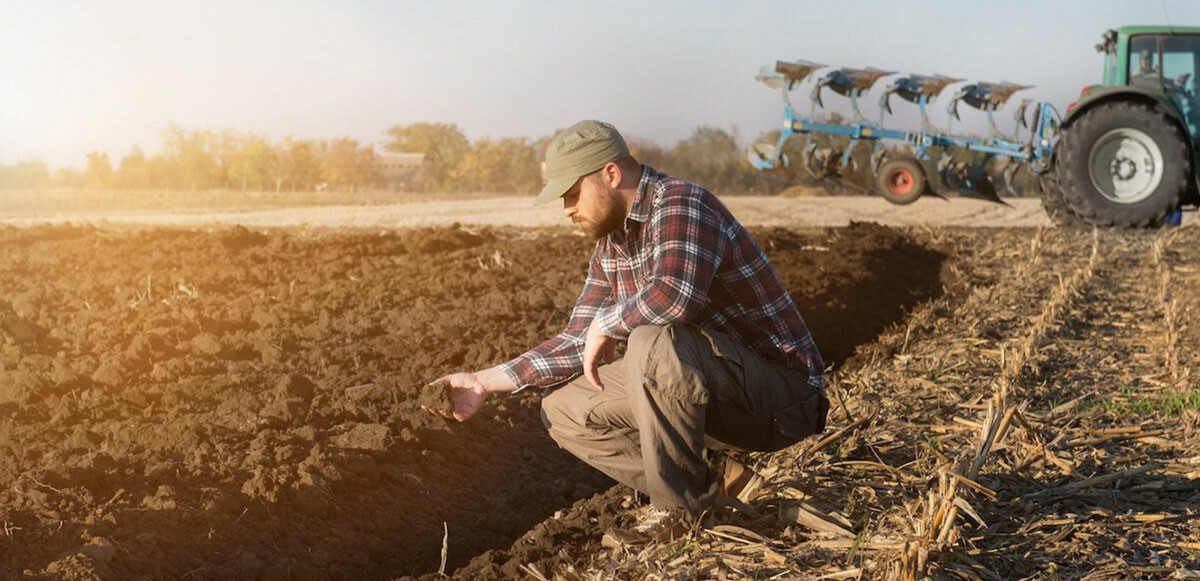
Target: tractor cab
<point>1159,60</point>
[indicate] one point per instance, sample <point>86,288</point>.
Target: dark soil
<point>240,404</point>
<point>435,397</point>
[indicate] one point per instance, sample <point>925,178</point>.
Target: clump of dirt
<point>435,397</point>
<point>233,404</point>
<point>430,240</point>
<point>239,237</point>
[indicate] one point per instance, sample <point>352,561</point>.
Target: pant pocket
<point>800,420</point>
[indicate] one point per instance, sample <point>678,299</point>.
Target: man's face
<point>594,205</point>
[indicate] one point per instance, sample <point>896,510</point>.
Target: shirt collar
<point>640,211</point>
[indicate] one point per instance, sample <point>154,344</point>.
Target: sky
<point>82,76</point>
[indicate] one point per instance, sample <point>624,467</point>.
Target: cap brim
<point>554,191</point>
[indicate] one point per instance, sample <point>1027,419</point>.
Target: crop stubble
<point>1039,420</point>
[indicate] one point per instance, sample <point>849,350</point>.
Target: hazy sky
<point>82,76</point>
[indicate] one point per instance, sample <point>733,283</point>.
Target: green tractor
<point>1127,154</point>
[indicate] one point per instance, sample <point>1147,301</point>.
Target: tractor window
<point>1144,62</point>
<point>1179,63</point>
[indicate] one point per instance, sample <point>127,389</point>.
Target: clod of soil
<point>435,397</point>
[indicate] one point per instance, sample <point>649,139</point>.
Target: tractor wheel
<point>1056,207</point>
<point>900,181</point>
<point>1123,164</point>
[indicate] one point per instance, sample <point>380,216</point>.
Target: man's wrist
<point>597,326</point>
<point>494,379</point>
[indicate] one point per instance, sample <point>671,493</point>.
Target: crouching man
<point>716,355</point>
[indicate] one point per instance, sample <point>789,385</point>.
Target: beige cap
<point>577,151</point>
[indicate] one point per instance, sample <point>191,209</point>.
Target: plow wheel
<point>900,181</point>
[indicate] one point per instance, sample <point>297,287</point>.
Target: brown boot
<point>657,526</point>
<point>738,481</point>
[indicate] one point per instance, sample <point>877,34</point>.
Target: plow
<point>1124,154</point>
<point>902,160</point>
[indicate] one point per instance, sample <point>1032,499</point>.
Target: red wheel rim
<point>900,182</point>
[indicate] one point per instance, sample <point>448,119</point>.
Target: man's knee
<point>545,416</point>
<point>552,409</point>
<point>646,343</point>
<point>564,409</point>
<point>646,335</point>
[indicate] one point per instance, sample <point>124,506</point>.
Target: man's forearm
<point>495,380</point>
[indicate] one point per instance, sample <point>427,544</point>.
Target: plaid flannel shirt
<point>681,258</point>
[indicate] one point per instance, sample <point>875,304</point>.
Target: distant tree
<point>276,167</point>
<point>703,156</point>
<point>163,172</point>
<point>133,173</point>
<point>99,170</point>
<point>346,165</point>
<point>337,166</point>
<point>226,148</point>
<point>25,174</point>
<point>300,163</point>
<point>648,152</point>
<point>505,165</point>
<point>192,154</point>
<point>68,178</point>
<point>366,172</point>
<point>705,147</point>
<point>713,158</point>
<point>250,161</point>
<point>443,144</point>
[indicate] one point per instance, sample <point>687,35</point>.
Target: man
<point>1145,73</point>
<point>716,354</point>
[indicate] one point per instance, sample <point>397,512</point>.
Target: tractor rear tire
<point>900,181</point>
<point>1123,164</point>
<point>1055,205</point>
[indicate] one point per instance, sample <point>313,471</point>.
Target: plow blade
<point>846,81</point>
<point>916,89</point>
<point>1019,114</point>
<point>849,82</point>
<point>977,181</point>
<point>765,156</point>
<point>913,87</point>
<point>786,75</point>
<point>985,96</point>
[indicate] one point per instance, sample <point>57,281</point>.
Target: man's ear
<point>612,174</point>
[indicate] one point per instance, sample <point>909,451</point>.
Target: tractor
<point>1127,148</point>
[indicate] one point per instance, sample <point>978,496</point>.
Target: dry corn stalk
<point>937,529</point>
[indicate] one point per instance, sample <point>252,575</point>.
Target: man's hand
<point>466,391</point>
<point>598,349</point>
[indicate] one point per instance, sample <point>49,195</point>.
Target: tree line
<point>203,159</point>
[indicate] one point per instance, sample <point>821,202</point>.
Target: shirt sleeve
<point>688,239</point>
<point>560,358</point>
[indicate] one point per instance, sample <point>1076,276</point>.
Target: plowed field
<point>238,403</point>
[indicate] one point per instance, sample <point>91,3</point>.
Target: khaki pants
<point>678,390</point>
